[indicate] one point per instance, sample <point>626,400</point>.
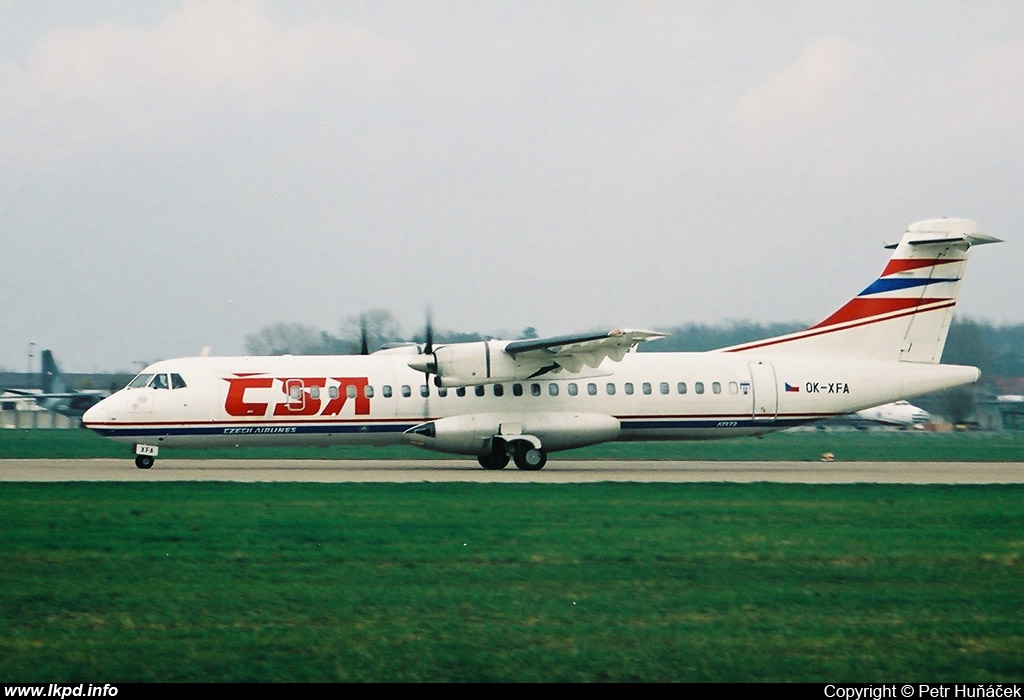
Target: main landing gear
<point>525,454</point>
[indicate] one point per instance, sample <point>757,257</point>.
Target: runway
<point>556,471</point>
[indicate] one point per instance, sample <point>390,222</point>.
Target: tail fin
<point>905,313</point>
<point>51,380</point>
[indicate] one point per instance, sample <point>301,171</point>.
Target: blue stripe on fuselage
<point>261,429</point>
<point>269,429</point>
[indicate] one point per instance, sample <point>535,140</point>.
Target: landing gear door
<point>766,396</point>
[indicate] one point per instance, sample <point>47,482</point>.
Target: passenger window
<point>424,390</point>
<point>461,391</point>
<point>592,389</point>
<point>553,389</point>
<point>368,391</point>
<point>406,390</point>
<point>573,389</point>
<point>333,392</point>
<point>517,389</point>
<point>295,393</point>
<point>629,388</point>
<point>479,390</point>
<point>716,387</point>
<point>442,391</point>
<point>386,391</point>
<point>314,392</point>
<point>664,387</point>
<point>499,389</point>
<point>610,388</point>
<point>698,387</point>
<point>535,389</point>
<point>681,387</point>
<point>646,387</point>
<point>350,391</point>
<point>177,382</point>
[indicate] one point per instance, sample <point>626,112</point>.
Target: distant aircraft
<point>55,395</point>
<point>1009,398</point>
<point>519,400</point>
<point>898,414</point>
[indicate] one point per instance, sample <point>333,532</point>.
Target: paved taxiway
<point>556,471</point>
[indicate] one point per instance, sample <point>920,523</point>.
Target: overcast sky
<point>175,175</point>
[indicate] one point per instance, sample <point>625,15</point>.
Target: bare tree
<point>379,325</point>
<point>286,339</point>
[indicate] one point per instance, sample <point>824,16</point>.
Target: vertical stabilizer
<point>905,313</point>
<point>51,381</point>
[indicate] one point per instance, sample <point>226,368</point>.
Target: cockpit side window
<point>157,381</point>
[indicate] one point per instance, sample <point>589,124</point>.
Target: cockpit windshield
<point>140,380</point>
<point>157,381</point>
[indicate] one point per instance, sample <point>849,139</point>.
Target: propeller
<point>426,361</point>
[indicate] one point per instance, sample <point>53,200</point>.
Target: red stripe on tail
<point>903,265</point>
<point>859,308</point>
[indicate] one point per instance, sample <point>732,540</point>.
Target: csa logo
<point>254,394</point>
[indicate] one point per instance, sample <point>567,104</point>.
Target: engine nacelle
<point>469,364</point>
<point>471,434</point>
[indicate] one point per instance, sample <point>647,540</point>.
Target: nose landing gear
<point>145,455</point>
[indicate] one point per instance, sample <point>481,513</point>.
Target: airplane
<point>520,400</point>
<point>902,414</point>
<point>897,414</point>
<point>55,395</point>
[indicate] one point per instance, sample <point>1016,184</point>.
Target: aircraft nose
<point>98,413</point>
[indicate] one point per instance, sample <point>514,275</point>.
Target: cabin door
<point>766,397</point>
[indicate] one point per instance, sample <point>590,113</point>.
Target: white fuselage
<point>376,399</point>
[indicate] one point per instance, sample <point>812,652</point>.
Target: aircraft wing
<point>23,394</point>
<point>573,352</point>
<point>18,393</point>
<point>491,361</point>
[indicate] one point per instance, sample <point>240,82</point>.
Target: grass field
<point>849,446</point>
<point>485,582</point>
<point>621,582</point>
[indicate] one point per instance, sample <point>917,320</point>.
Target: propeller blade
<point>428,349</point>
<point>429,337</point>
<point>364,346</point>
